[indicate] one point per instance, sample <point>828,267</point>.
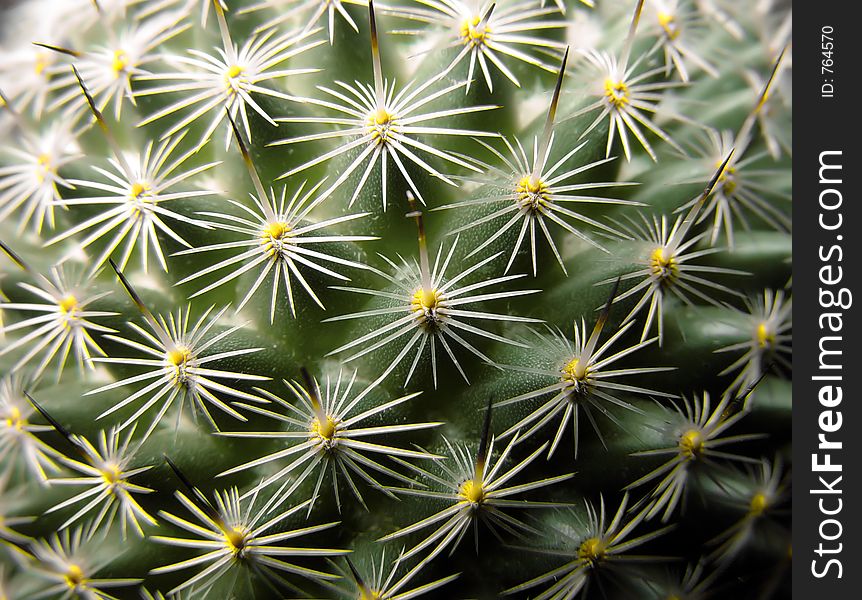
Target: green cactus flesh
<point>452,299</point>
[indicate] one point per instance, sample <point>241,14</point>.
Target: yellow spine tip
<point>367,594</point>
<point>14,419</point>
<point>177,357</point>
<point>529,185</point>
<point>472,33</point>
<point>591,550</point>
<point>120,62</point>
<point>382,117</point>
<point>471,492</point>
<point>691,443</point>
<point>74,576</point>
<point>759,504</point>
<point>765,337</point>
<point>575,371</point>
<point>424,300</point>
<point>235,539</point>
<point>325,429</point>
<point>616,93</point>
<point>111,474</point>
<point>668,23</point>
<point>68,304</point>
<point>663,265</point>
<point>275,230</point>
<point>137,190</point>
<point>41,63</point>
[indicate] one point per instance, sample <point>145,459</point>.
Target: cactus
<point>345,299</point>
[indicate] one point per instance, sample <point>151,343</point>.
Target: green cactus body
<point>452,299</point>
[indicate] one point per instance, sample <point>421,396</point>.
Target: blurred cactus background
<point>439,298</point>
